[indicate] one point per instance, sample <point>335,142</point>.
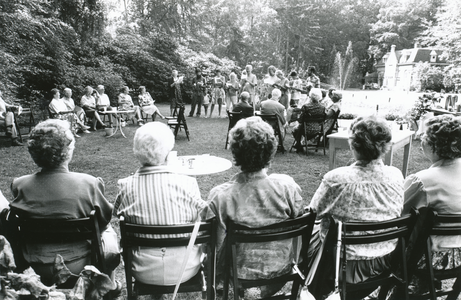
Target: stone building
<point>395,69</point>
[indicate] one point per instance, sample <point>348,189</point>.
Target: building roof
<point>416,55</point>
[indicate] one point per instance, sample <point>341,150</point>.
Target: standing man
<point>7,120</point>
<point>249,83</point>
<point>312,78</point>
<point>199,93</point>
<point>174,85</point>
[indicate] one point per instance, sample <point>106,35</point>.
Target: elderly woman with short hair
<point>438,187</point>
<point>157,195</point>
<point>55,192</point>
<point>254,198</point>
<point>147,103</point>
<point>366,191</point>
<point>312,109</point>
<point>88,103</point>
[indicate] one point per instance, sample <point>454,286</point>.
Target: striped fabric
<point>155,195</point>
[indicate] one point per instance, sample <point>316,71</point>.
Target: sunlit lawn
<point>112,158</point>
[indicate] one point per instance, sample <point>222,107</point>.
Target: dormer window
<point>433,56</point>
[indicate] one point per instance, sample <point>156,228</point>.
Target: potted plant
<point>345,120</point>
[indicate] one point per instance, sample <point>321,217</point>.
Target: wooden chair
<point>431,223</point>
<point>287,230</point>
<point>26,111</point>
<point>23,230</point>
<point>313,129</point>
<point>234,117</point>
<point>130,239</point>
<point>354,233</point>
<point>145,116</point>
<point>15,123</point>
<point>179,122</point>
<point>273,120</point>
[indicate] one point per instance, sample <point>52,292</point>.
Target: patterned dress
<point>361,192</point>
<point>256,199</point>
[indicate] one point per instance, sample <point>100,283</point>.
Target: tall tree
<point>445,32</point>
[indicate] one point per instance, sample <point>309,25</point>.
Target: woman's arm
<point>414,194</point>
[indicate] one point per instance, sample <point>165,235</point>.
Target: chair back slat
<point>268,237</point>
<point>372,238</point>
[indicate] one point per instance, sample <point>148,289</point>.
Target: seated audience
<point>365,191</point>
<point>7,121</point>
<point>243,106</point>
<point>273,106</point>
<point>147,103</point>
<point>157,195</point>
<point>88,103</point>
<point>254,198</point>
<point>312,109</point>
<point>126,103</point>
<point>55,192</point>
<point>64,110</point>
<point>439,186</point>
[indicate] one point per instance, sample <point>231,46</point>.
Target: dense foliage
<point>74,43</point>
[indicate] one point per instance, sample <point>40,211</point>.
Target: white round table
<point>200,164</point>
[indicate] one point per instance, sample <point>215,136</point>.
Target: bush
<point>347,116</point>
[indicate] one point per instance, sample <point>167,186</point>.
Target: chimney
<point>392,48</point>
<point>417,45</point>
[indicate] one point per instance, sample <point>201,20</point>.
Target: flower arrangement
<point>347,116</point>
<point>420,107</point>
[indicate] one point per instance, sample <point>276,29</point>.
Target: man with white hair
<point>156,195</point>
<point>272,106</point>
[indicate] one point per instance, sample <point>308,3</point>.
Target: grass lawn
<point>112,158</point>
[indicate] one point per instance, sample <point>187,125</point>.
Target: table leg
<point>332,152</point>
<point>388,157</point>
<point>406,157</point>
<point>117,124</point>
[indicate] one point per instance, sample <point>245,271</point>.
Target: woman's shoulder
<point>282,179</point>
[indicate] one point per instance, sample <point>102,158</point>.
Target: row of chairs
<point>412,231</point>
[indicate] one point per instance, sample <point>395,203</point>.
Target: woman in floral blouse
<point>365,191</point>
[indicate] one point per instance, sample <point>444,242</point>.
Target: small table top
<point>200,164</point>
<point>397,135</point>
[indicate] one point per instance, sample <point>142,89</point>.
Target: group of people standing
<point>217,90</point>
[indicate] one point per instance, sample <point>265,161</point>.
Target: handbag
<point>336,295</point>
<point>305,294</point>
<point>186,257</point>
